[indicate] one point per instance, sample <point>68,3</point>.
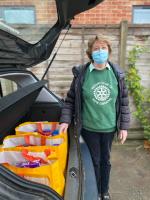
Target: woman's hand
<point>123,135</point>
<point>63,127</point>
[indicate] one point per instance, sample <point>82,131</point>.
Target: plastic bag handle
<point>53,126</point>
<point>40,128</point>
<point>32,158</point>
<point>27,140</point>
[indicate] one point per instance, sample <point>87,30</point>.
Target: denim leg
<point>92,140</point>
<point>105,165</point>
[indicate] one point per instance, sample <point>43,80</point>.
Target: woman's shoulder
<point>78,69</point>
<point>117,69</point>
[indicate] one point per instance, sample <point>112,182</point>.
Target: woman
<point>98,103</point>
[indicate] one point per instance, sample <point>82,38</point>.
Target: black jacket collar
<point>80,69</point>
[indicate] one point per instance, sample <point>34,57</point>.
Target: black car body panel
<point>46,107</point>
<point>15,52</point>
<point>34,102</point>
<point>67,9</point>
<point>16,105</point>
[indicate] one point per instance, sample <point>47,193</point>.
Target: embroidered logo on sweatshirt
<point>102,93</point>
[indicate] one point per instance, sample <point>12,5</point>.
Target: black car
<point>32,101</point>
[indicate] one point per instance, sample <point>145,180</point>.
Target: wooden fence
<point>72,52</point>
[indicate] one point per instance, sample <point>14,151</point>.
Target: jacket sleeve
<point>69,104</point>
<point>125,111</point>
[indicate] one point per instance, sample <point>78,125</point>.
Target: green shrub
<point>140,94</point>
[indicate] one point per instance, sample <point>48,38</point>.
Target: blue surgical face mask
<point>100,56</point>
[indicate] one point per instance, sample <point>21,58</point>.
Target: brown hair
<point>91,43</point>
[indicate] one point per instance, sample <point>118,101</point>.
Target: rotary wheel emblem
<point>101,93</point>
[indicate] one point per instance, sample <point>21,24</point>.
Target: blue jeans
<point>99,145</point>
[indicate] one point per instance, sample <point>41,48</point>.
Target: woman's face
<point>99,45</point>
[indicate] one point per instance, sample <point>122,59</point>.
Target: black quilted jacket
<point>71,110</point>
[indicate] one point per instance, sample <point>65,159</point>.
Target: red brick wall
<point>108,12</point>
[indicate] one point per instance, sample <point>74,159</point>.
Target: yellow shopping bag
<point>57,143</point>
<point>48,172</point>
<point>43,128</point>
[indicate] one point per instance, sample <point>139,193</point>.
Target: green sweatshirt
<point>100,91</point>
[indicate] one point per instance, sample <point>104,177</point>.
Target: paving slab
<point>130,174</point>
